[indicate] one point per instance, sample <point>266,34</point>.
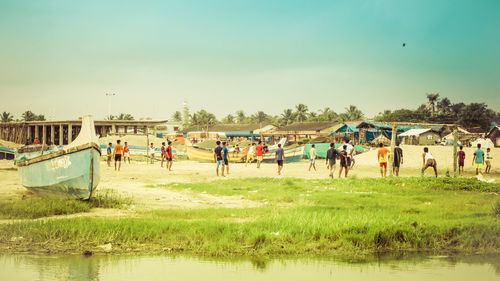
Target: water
<point>102,268</point>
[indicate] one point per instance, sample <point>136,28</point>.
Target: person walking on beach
<point>126,153</point>
<point>312,157</point>
<point>343,161</point>
<point>218,158</point>
<point>461,160</point>
<point>169,156</point>
<point>109,153</point>
<point>163,152</point>
<point>225,157</point>
<point>152,152</point>
<point>398,159</point>
<point>280,158</point>
<point>117,152</point>
<point>383,157</point>
<point>429,161</point>
<point>331,155</point>
<point>488,158</point>
<point>250,154</point>
<point>259,152</point>
<point>478,159</point>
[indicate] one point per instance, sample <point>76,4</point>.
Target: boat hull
<point>203,155</point>
<point>73,174</point>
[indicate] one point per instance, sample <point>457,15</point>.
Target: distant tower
<point>185,114</point>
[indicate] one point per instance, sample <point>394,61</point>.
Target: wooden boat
<point>294,154</point>
<point>72,170</point>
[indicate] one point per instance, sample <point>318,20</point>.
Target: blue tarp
<point>348,128</point>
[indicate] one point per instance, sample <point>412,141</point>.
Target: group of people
<point>120,151</point>
<point>479,159</point>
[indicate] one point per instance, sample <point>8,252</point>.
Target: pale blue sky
<point>61,57</point>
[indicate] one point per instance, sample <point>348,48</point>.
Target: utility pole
<point>109,95</point>
<point>393,145</point>
<point>455,145</point>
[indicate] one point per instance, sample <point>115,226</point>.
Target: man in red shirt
<point>169,156</point>
<point>126,153</point>
<point>259,152</point>
<point>36,141</point>
<point>163,154</point>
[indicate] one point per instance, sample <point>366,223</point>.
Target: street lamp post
<point>109,95</point>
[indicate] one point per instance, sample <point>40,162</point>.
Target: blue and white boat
<point>72,170</point>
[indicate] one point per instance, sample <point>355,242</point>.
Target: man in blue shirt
<point>478,159</point>
<point>225,153</point>
<point>280,158</point>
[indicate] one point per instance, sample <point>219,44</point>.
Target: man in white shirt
<point>152,153</point>
<point>250,154</point>
<point>312,157</point>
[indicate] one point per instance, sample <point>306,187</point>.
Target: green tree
<point>301,112</point>
<point>124,116</point>
<point>475,115</point>
<point>177,116</point>
<point>240,116</point>
<point>352,113</point>
<point>433,98</point>
<point>229,119</point>
<point>444,105</point>
<point>7,117</point>
<point>29,116</point>
<point>287,117</point>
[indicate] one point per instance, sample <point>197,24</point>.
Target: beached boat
<point>294,154</point>
<point>72,170</point>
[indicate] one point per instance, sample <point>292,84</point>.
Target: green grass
<point>296,217</point>
<point>38,207</point>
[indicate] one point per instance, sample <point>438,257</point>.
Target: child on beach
<point>312,157</point>
<point>126,153</point>
<point>225,157</point>
<point>478,159</point>
<point>331,155</point>
<point>163,151</point>
<point>280,158</point>
<point>169,156</point>
<point>461,160</point>
<point>250,154</point>
<point>117,152</point>
<point>398,159</point>
<point>343,161</point>
<point>383,157</point>
<point>218,158</point>
<point>429,161</point>
<point>488,158</point>
<point>109,153</point>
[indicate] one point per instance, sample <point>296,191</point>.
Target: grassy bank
<point>297,217</point>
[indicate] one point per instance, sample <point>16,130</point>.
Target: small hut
<point>381,139</point>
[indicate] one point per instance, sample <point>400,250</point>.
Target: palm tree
<point>124,116</point>
<point>29,116</point>
<point>444,105</point>
<point>240,116</point>
<point>433,98</point>
<point>229,119</point>
<point>7,117</point>
<point>287,117</point>
<point>177,116</point>
<point>352,113</point>
<point>301,112</point>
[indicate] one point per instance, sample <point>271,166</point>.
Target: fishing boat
<point>71,170</point>
<point>207,155</point>
<point>293,154</point>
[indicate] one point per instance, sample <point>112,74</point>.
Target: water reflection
<point>381,267</point>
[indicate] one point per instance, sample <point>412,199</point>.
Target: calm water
<point>29,267</point>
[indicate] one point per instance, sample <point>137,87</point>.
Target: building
<point>305,130</point>
<point>227,131</point>
<point>6,153</point>
<point>348,130</point>
<point>420,137</point>
<point>494,136</point>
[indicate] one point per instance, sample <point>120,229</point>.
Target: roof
<point>372,125</point>
<point>5,149</point>
<point>497,128</point>
<point>349,127</point>
<point>415,132</point>
<point>224,128</point>
<point>308,126</point>
<point>475,130</point>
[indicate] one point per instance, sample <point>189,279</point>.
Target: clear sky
<point>61,57</point>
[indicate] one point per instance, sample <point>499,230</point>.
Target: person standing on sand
<point>343,161</point>
<point>250,154</point>
<point>331,155</point>
<point>429,161</point>
<point>280,158</point>
<point>218,158</point>
<point>126,153</point>
<point>117,152</point>
<point>461,160</point>
<point>312,157</point>
<point>349,151</point>
<point>398,159</point>
<point>109,153</point>
<point>259,152</point>
<point>225,157</point>
<point>152,152</point>
<point>169,156</point>
<point>478,159</point>
<point>163,151</point>
<point>383,156</point>
<point>488,158</point>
